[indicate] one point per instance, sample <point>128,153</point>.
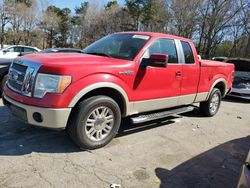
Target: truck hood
<point>71,59</point>
<point>78,65</point>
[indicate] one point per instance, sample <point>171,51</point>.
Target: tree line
<point>217,27</point>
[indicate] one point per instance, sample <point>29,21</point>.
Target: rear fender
<point>215,82</point>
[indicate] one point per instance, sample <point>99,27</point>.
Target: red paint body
<point>144,84</point>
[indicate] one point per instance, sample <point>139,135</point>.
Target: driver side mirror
<point>5,51</point>
<point>156,60</point>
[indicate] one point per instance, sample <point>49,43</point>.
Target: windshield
<point>122,46</point>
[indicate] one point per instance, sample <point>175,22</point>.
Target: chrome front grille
<point>21,77</point>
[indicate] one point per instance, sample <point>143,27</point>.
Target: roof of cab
<point>153,34</point>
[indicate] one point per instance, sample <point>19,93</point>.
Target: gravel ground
<point>183,151</point>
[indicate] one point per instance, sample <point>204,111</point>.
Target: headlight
<point>48,83</point>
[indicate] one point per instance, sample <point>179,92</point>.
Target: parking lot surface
<point>182,151</point>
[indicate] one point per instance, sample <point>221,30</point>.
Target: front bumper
<point>55,118</point>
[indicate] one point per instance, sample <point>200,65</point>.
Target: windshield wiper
<point>98,53</point>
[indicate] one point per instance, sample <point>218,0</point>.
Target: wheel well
<point>110,92</point>
<point>1,79</point>
<point>221,86</point>
<point>3,75</point>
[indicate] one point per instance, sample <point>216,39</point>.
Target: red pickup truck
<point>141,75</point>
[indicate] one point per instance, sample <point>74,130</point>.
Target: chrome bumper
<point>44,117</point>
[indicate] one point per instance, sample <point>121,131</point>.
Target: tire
<point>2,85</point>
<point>94,122</point>
<point>210,108</point>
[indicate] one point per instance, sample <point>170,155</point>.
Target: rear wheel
<point>95,122</point>
<point>210,108</point>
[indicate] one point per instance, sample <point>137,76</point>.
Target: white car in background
<point>12,52</point>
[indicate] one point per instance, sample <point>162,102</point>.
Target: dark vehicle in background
<point>61,50</point>
<point>244,181</point>
<point>241,84</point>
<point>4,69</point>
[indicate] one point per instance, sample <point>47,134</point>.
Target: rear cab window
<point>188,53</point>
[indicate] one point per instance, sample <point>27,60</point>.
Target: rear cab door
<point>190,72</point>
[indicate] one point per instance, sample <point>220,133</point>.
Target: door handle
<point>178,74</point>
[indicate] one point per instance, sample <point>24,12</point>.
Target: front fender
<point>92,82</point>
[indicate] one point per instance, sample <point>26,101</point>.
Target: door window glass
<point>163,46</point>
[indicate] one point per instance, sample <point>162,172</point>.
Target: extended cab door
<point>158,87</point>
<point>190,73</point>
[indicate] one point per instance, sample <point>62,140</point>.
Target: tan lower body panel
<point>186,99</point>
<point>52,118</point>
<point>58,118</point>
<point>202,97</point>
<point>157,104</point>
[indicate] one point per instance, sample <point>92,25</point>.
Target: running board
<point>158,115</point>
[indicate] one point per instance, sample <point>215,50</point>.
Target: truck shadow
<point>218,167</point>
<point>195,113</point>
<point>18,138</point>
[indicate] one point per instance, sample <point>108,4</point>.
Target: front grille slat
<point>19,72</point>
<point>21,78</point>
<point>22,75</point>
<point>19,67</point>
<point>14,85</point>
<point>16,76</point>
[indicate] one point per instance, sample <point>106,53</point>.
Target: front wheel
<point>94,122</point>
<point>210,108</point>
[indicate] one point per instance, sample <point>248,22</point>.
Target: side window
<point>17,49</point>
<point>29,50</point>
<point>10,49</point>
<point>14,49</point>
<point>163,46</point>
<point>188,53</point>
